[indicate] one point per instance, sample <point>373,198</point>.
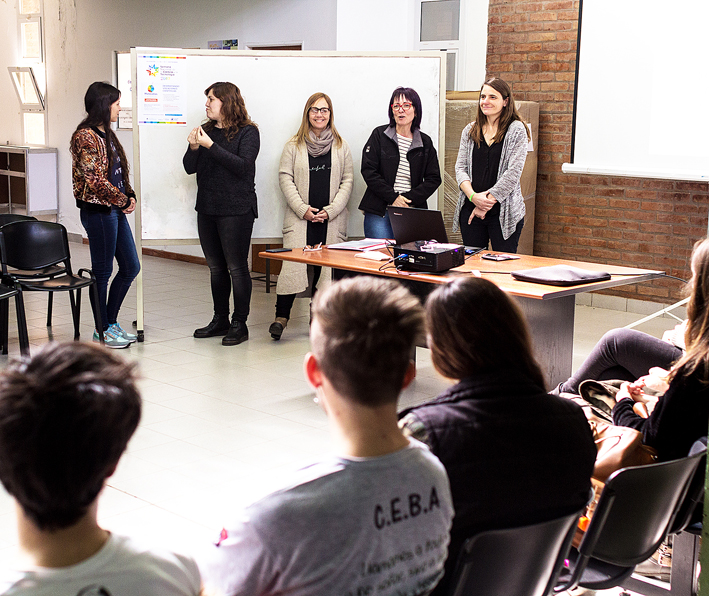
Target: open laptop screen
<point>411,224</point>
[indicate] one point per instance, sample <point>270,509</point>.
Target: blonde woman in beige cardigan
<point>316,178</point>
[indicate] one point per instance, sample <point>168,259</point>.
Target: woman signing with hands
<point>222,152</point>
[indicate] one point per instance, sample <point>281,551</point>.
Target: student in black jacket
<point>514,454</point>
<point>399,164</point>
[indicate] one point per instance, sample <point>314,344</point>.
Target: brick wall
<point>624,221</point>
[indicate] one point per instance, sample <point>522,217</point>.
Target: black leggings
<point>623,354</point>
<point>481,231</point>
<point>284,302</point>
<point>226,241</point>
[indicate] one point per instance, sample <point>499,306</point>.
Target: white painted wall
<point>473,53</point>
<point>376,25</point>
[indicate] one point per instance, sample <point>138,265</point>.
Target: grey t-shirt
<point>349,527</point>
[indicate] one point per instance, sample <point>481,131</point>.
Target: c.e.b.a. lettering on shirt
<point>399,510</point>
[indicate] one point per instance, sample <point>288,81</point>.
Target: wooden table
<point>549,309</point>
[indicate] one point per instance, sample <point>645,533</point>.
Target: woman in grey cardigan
<point>316,178</point>
<point>490,161</point>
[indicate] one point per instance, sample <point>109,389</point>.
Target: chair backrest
<point>33,245</point>
<point>636,510</point>
<point>6,218</point>
<point>520,561</point>
<point>687,513</point>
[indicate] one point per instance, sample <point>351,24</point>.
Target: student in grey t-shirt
<point>375,518</point>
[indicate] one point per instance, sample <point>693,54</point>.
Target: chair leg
<point>76,311</point>
<point>50,303</point>
<point>93,297</point>
<point>4,318</point>
<point>21,325</point>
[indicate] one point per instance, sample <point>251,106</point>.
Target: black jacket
<point>226,173</point>
<point>514,454</point>
<point>380,161</point>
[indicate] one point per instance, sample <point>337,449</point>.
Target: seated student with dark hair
<point>514,454</point>
<point>66,416</point>
<point>374,518</point>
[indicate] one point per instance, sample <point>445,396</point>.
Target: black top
<point>318,195</point>
<point>486,163</point>
<point>225,172</point>
<point>115,176</point>
<point>680,417</point>
<point>319,192</point>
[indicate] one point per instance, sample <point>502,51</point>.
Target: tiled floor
<point>220,424</point>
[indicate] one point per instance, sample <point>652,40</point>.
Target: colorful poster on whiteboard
<point>161,89</point>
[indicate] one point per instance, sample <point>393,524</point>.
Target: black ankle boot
<point>237,334</point>
<point>219,325</point>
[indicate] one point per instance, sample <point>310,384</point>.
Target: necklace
<point>489,134</point>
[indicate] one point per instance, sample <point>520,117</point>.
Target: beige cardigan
<point>294,179</point>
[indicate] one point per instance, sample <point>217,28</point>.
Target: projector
<point>428,256</point>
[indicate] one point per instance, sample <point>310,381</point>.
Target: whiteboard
<point>275,87</point>
<point>642,87</point>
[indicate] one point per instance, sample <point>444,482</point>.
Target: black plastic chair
<point>10,288</point>
<point>37,245</point>
<point>45,273</point>
<point>634,514</point>
<point>687,531</point>
<point>523,561</point>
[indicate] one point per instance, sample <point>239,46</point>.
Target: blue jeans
<point>110,237</point>
<point>377,227</point>
<point>226,240</point>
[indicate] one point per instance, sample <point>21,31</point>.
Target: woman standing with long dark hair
<point>104,195</point>
<point>490,161</point>
<point>223,153</point>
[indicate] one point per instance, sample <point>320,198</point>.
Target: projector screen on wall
<point>642,104</point>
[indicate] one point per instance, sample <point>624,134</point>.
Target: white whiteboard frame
<point>437,199</point>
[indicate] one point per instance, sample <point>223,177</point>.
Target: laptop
<point>411,224</point>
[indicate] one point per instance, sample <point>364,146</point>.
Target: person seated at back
<point>514,454</point>
<point>375,517</point>
<point>66,416</point>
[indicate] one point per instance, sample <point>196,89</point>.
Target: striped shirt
<point>402,183</point>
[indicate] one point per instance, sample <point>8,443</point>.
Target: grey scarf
<point>317,147</point>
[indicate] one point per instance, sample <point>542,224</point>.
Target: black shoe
<point>237,334</point>
<point>219,325</point>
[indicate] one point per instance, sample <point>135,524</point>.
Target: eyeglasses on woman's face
<point>323,111</point>
<point>406,106</point>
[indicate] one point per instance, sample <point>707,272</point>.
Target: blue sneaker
<point>120,332</point>
<point>111,340</point>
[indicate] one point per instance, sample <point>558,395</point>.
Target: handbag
<point>618,447</point>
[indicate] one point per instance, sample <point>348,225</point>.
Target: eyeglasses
<point>401,106</point>
<point>323,111</point>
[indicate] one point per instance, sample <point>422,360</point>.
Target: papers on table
<point>365,244</point>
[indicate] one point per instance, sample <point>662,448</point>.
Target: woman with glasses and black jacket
<point>399,164</point>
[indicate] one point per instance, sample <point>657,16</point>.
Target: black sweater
<point>225,172</point>
<point>680,417</point>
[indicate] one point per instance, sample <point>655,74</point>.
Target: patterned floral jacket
<point>89,172</point>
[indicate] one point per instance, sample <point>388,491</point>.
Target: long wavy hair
<point>473,327</point>
<point>98,100</point>
<point>695,361</point>
<point>508,116</point>
<point>304,129</point>
<point>233,111</point>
